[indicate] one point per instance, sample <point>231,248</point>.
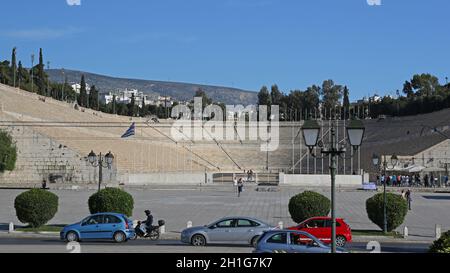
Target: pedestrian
<point>446,181</point>
<point>426,181</point>
<point>403,194</point>
<point>240,186</point>
<point>408,198</point>
<point>44,184</point>
<point>432,181</point>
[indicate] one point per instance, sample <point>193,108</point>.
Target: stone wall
<point>42,158</point>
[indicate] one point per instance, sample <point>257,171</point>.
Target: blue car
<point>100,226</point>
<point>291,241</point>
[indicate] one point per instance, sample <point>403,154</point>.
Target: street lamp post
<point>383,167</point>
<point>355,132</point>
<point>101,162</point>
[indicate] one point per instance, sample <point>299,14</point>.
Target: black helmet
<point>147,212</point>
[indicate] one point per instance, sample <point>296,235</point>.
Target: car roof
<point>107,213</point>
<point>321,218</point>
<point>241,217</point>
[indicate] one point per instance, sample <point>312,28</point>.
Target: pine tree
<point>264,97</point>
<point>82,98</point>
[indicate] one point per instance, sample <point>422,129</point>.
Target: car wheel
<point>254,241</point>
<point>341,241</point>
<point>119,237</point>
<point>72,236</point>
<point>198,240</point>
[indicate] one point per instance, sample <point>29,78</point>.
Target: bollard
<point>280,225</point>
<point>162,229</point>
<point>438,230</point>
<point>405,232</point>
<point>11,227</point>
<point>189,224</point>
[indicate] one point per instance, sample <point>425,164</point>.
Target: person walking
<point>240,186</point>
<point>408,198</point>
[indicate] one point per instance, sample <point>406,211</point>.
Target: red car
<point>320,227</point>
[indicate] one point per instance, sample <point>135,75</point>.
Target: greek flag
<point>130,131</point>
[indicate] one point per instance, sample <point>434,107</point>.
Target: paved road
<point>53,245</point>
<point>202,205</point>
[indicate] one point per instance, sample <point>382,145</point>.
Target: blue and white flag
<point>130,131</point>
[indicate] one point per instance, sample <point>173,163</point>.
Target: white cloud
<point>41,33</point>
<point>374,2</point>
<point>73,2</point>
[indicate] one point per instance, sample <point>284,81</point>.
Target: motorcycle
<point>141,231</point>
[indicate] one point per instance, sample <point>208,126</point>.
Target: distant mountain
<point>179,91</point>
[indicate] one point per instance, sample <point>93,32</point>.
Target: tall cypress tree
<point>131,106</point>
<point>93,97</point>
<point>13,66</point>
<point>346,103</point>
<point>20,74</point>
<point>41,74</point>
<point>82,98</point>
<point>114,105</point>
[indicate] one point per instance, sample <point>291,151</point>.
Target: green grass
<point>46,228</point>
<point>359,232</point>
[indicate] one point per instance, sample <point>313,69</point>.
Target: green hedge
<point>308,204</point>
<point>111,200</point>
<point>442,245</point>
<point>8,152</point>
<point>36,207</point>
<point>396,210</point>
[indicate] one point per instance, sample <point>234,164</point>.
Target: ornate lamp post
<point>383,167</point>
<point>311,131</point>
<point>101,161</point>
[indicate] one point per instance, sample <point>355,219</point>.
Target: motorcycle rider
<point>149,222</point>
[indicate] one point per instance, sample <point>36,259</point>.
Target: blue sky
<point>239,43</point>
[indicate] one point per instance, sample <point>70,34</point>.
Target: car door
<point>304,243</point>
<point>316,227</point>
<point>109,226</point>
<point>90,227</point>
<point>244,231</point>
<point>221,232</point>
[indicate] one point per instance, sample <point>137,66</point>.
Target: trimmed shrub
<point>308,204</point>
<point>441,245</point>
<point>111,200</point>
<point>36,207</point>
<point>396,210</point>
<point>8,152</point>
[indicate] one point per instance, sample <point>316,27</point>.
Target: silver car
<point>230,230</point>
<point>291,241</point>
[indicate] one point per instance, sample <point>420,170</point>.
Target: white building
<point>125,96</point>
<point>77,87</point>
